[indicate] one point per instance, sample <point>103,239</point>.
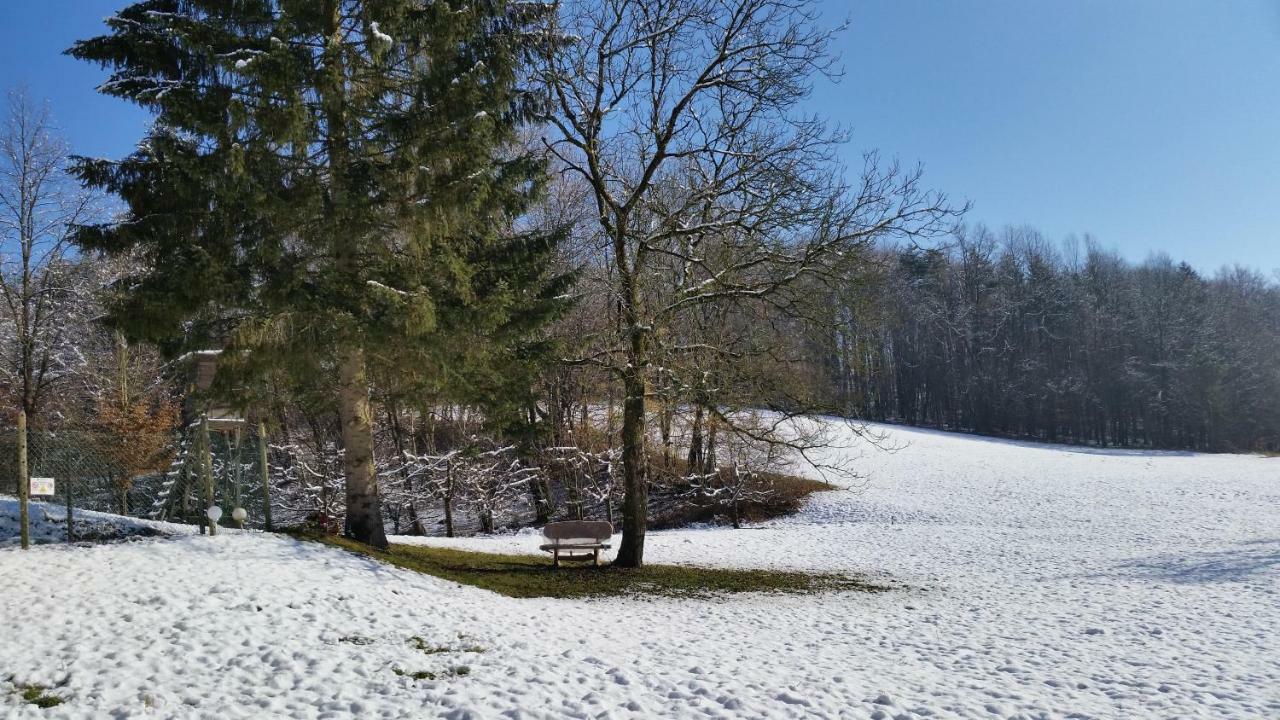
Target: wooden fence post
<point>24,483</point>
<point>237,475</point>
<point>206,472</point>
<point>266,474</point>
<point>71,534</point>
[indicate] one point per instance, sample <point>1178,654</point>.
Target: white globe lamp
<point>239,515</point>
<point>214,513</point>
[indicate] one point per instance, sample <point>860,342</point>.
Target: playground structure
<point>210,464</point>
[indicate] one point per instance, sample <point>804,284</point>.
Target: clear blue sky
<point>1152,124</point>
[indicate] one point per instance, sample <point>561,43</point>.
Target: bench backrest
<point>595,530</point>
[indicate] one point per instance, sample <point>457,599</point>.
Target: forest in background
<point>1006,333</point>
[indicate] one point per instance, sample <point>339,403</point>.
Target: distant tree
<point>426,477</point>
<point>137,416</point>
<point>744,478</point>
<point>589,478</point>
<point>46,291</point>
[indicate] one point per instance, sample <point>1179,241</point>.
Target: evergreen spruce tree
<point>327,184</point>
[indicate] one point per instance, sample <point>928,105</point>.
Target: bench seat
<point>576,540</point>
<point>569,547</point>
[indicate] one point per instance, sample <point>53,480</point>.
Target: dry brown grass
<point>788,494</point>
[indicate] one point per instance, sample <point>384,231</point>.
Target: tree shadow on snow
<point>285,547</point>
<point>1238,564</point>
<point>905,431</point>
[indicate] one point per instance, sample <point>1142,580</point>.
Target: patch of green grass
<point>459,671</point>
<point>416,674</point>
<point>525,576</point>
<point>355,640</point>
<point>425,647</point>
<point>38,695</point>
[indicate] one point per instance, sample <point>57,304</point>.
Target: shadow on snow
<point>1238,564</point>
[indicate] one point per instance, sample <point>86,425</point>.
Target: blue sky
<point>1152,124</point>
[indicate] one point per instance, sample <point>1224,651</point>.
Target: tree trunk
<point>415,520</point>
<point>709,457</point>
<point>539,491</point>
<point>122,497</point>
<point>448,500</point>
<point>665,417</point>
<point>635,503</point>
<point>364,509</point>
<point>573,493</point>
<point>397,439</point>
<point>541,495</point>
<point>448,515</point>
<point>694,464</point>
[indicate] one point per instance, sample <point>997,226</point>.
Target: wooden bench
<point>576,540</point>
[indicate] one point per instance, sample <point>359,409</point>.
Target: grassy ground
<point>524,576</point>
<point>37,695</point>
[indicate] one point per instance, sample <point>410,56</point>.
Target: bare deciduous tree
<point>681,118</point>
<point>43,291</point>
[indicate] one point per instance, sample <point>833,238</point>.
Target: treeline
<point>1009,334</point>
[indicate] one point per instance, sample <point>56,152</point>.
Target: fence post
<point>70,523</point>
<point>24,483</point>
<point>237,476</point>
<point>206,471</point>
<point>266,475</point>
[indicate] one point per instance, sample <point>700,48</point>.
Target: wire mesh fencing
<point>156,476</point>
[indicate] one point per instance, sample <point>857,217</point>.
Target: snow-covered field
<point>48,524</point>
<point>1040,582</point>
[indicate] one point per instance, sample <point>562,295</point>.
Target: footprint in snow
<point>790,699</point>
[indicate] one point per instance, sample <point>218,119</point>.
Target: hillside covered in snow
<point>1032,582</point>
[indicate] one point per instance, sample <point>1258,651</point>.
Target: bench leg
<point>555,558</point>
<point>596,555</point>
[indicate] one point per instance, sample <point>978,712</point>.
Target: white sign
<point>42,486</point>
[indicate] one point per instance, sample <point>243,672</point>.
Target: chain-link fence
<point>145,475</point>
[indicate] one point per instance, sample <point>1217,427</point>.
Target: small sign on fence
<point>42,486</point>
